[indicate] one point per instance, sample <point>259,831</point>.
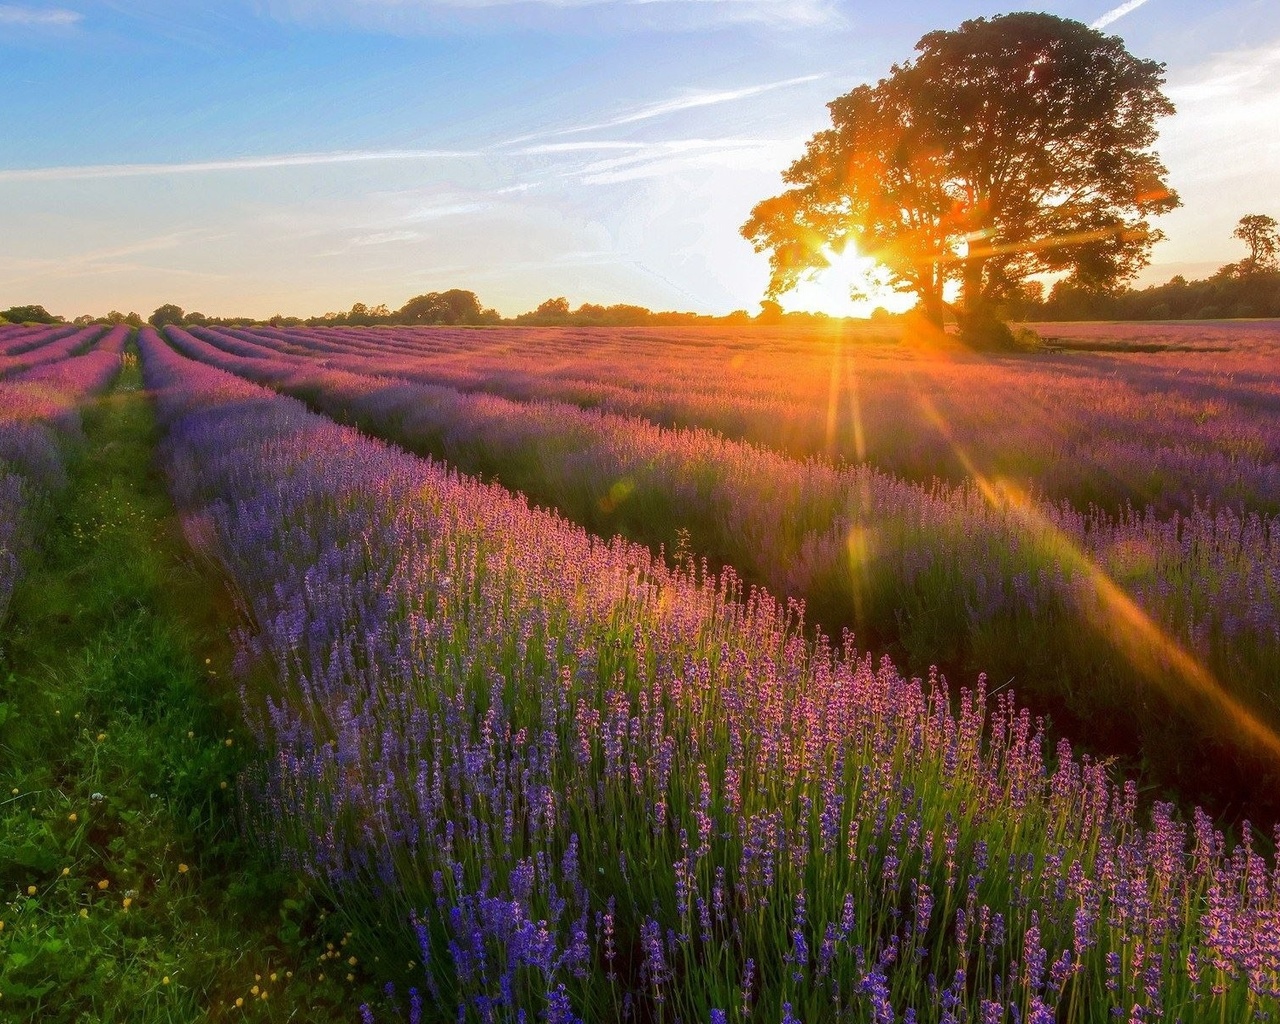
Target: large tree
<point>1011,146</point>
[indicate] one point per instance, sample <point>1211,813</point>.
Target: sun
<point>828,290</point>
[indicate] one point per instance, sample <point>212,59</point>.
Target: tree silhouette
<point>1011,146</point>
<point>1260,233</point>
<point>454,306</point>
<point>29,315</point>
<point>167,314</point>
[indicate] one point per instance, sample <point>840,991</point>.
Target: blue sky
<point>261,156</point>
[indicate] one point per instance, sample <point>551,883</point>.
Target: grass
<point>126,888</point>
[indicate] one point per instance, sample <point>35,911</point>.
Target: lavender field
<point>707,676</point>
<point>1147,630</point>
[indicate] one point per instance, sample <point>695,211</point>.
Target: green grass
<point>127,891</point>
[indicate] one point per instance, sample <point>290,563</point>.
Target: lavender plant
<point>1110,620</point>
<point>559,779</point>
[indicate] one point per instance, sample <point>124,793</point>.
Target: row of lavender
<point>1172,429</point>
<point>1157,633</point>
<point>559,779</point>
<point>34,347</point>
<point>39,414</point>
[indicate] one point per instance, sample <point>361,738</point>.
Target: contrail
<point>1116,13</point>
<point>93,172</point>
<point>690,101</point>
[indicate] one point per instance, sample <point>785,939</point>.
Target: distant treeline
<point>455,307</point>
<point>1237,290</point>
<point>1230,293</point>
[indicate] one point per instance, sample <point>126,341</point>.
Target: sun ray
<point>1147,646</point>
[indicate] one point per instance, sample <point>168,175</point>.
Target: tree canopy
<point>1261,234</point>
<point>455,306</point>
<point>1011,146</point>
<point>29,315</point>
<point>167,314</point>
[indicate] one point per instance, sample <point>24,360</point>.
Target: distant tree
<point>194,319</point>
<point>770,312</point>
<point>1010,147</point>
<point>30,315</point>
<point>1262,235</point>
<point>558,306</point>
<point>83,320</point>
<point>454,306</point>
<point>167,314</point>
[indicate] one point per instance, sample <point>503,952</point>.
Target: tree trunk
<point>934,308</point>
<point>981,327</point>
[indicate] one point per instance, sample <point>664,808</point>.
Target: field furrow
<point>554,774</point>
<point>1152,637</point>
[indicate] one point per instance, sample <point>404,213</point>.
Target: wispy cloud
<point>113,259</point>
<point>38,17</point>
<point>1237,76</point>
<point>664,15</point>
<point>252,163</point>
<point>1116,13</point>
<point>386,237</point>
<point>550,148</point>
<point>691,100</point>
<point>662,159</point>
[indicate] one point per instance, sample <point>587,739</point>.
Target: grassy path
<point>126,890</point>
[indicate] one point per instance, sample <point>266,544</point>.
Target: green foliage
<point>29,315</point>
<point>454,306</point>
<point>1011,146</point>
<point>167,314</point>
<point>1259,232</point>
<point>1228,293</point>
<point>116,317</point>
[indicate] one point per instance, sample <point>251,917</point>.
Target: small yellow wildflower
<point>350,976</point>
<point>183,869</point>
<point>105,883</point>
<point>84,913</point>
<point>239,1000</point>
<point>127,902</point>
<point>227,741</point>
<point>65,872</point>
<point>31,890</point>
<point>164,980</point>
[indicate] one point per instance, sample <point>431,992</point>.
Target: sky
<point>297,156</point>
